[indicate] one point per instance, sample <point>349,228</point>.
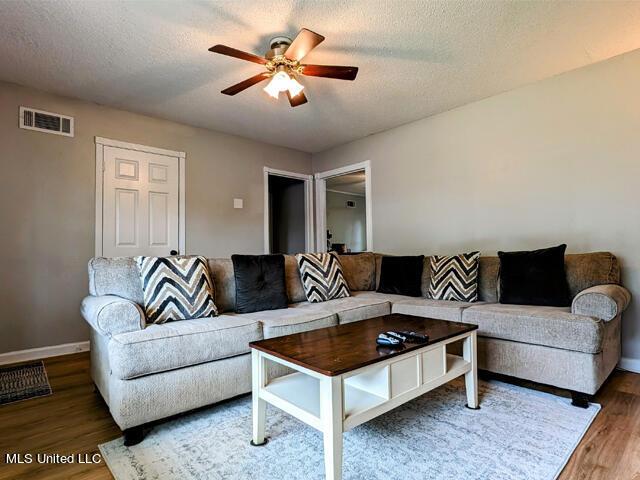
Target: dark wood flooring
<point>74,420</point>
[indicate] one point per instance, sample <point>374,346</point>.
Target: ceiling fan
<point>282,63</point>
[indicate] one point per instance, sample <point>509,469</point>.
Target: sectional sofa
<point>149,372</point>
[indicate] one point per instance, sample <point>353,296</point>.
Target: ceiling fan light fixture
<point>272,90</point>
<point>295,87</point>
<point>279,83</point>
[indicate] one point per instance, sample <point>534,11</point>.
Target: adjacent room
<point>302,239</point>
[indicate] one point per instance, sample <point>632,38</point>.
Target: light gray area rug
<point>517,434</point>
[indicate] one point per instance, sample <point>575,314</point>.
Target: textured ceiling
<point>416,58</point>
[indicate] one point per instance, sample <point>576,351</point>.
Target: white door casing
<point>308,199</point>
<point>139,200</point>
<point>321,202</point>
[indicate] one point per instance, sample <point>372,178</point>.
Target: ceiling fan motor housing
<point>278,45</point>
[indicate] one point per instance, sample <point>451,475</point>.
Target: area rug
<point>518,434</point>
<point>22,382</point>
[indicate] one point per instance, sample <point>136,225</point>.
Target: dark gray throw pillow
<point>401,275</point>
<point>535,277</point>
<point>260,283</point>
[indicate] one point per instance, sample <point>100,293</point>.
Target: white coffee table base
<point>335,404</point>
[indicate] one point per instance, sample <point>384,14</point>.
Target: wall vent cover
<point>48,122</point>
<point>351,204</point>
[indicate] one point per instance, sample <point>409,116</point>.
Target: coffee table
<point>342,379</point>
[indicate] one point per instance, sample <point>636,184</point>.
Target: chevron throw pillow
<point>176,288</point>
<point>322,276</point>
<point>454,277</point>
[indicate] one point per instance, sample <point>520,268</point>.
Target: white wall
<point>347,225</point>
<point>47,205</point>
<point>556,161</point>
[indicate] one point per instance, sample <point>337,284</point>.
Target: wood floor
<point>74,420</point>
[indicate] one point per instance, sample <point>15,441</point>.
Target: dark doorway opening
<point>286,215</point>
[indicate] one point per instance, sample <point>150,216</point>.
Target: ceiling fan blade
<point>232,52</point>
<point>305,41</point>
<point>330,71</point>
<point>238,87</point>
<point>299,99</point>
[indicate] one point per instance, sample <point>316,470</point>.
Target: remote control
<point>414,337</point>
<point>399,335</point>
<point>388,341</point>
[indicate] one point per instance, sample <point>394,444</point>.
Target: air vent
<point>47,122</point>
<point>351,204</point>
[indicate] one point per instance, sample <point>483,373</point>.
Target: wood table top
<point>336,350</point>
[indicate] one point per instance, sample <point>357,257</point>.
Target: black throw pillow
<point>401,275</point>
<point>260,283</point>
<point>534,278</point>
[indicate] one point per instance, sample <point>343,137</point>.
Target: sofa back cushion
<point>115,276</point>
<point>586,270</point>
<point>488,272</point>
<point>295,290</point>
<point>359,271</point>
<point>224,283</point>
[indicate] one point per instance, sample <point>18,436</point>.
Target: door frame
<point>321,202</point>
<point>308,205</point>
<point>102,142</point>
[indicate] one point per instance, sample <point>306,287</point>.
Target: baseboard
<point>630,364</point>
<point>43,352</point>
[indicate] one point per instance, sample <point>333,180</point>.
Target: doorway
<point>288,212</point>
<point>343,215</point>
<point>140,198</point>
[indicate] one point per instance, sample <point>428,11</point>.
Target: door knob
<point>173,252</point>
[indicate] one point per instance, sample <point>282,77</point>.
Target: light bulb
<point>295,87</point>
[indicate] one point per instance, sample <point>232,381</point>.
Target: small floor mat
<point>22,382</point>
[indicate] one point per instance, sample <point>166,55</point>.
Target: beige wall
<point>347,225</point>
<point>556,161</point>
<point>47,190</point>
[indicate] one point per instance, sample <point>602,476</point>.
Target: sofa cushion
<point>295,290</point>
<point>354,308</point>
<point>159,348</point>
<point>430,308</point>
<point>176,288</point>
<point>322,276</point>
<point>295,319</point>
<point>385,297</point>
<point>534,277</point>
<point>359,270</point>
<point>426,273</point>
<point>586,270</point>
<point>454,277</point>
<point>221,270</point>
<point>260,282</point>
<point>488,270</point>
<point>549,326</point>
<point>401,275</point>
<point>115,276</point>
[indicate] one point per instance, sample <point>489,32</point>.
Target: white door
<point>140,203</point>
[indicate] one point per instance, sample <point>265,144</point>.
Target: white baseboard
<point>630,364</point>
<point>43,352</point>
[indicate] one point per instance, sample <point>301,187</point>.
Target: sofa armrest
<point>602,301</point>
<point>110,315</point>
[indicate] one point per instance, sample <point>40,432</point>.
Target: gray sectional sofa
<point>149,372</point>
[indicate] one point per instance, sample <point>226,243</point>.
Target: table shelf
<point>303,393</point>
